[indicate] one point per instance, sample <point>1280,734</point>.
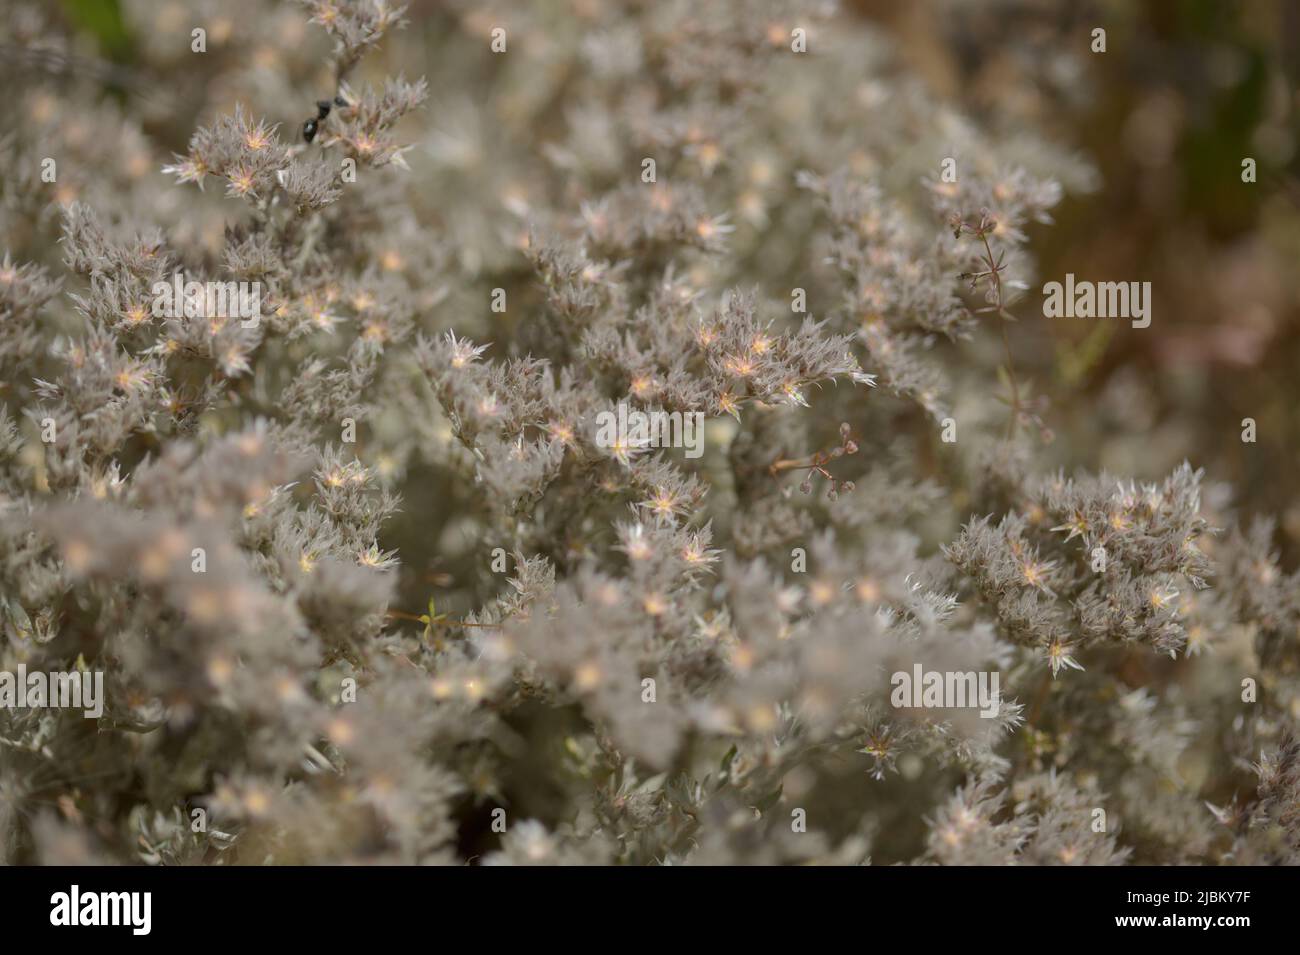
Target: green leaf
<point>767,802</point>
<point>727,759</point>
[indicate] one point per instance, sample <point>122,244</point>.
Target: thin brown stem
<point>993,273</point>
<point>812,462</point>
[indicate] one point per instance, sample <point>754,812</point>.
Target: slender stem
<point>1015,388</point>
<point>402,615</point>
<point>313,231</point>
<point>995,276</point>
<point>787,464</point>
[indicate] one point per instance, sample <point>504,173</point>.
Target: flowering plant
<point>633,651</point>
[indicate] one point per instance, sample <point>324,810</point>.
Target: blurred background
<point>1184,92</point>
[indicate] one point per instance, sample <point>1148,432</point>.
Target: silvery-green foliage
<point>429,597</point>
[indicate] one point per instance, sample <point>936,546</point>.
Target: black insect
<point>312,126</point>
